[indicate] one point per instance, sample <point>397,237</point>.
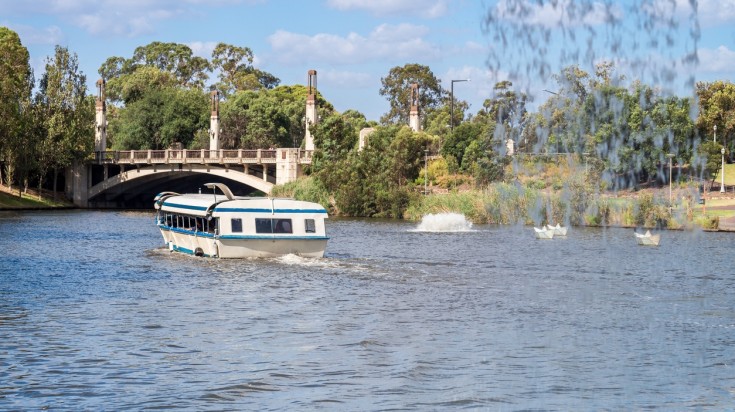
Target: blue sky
<point>354,43</point>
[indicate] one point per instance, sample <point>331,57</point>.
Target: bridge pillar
<point>414,120</point>
<point>287,165</point>
<point>78,183</point>
<point>100,130</point>
<point>214,129</point>
<point>311,113</point>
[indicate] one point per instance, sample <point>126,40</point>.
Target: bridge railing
<point>172,156</point>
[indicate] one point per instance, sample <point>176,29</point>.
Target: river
<point>95,314</point>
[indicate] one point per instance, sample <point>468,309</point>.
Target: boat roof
<point>210,204</point>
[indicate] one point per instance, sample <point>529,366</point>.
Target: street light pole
<point>670,156</point>
<point>426,171</point>
<point>722,185</point>
<point>451,103</point>
<point>714,139</point>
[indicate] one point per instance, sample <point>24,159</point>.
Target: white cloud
<point>345,79</point>
<point>562,13</point>
<point>716,12</point>
<point>202,49</point>
<point>111,17</point>
<point>719,60</point>
<point>403,42</point>
<point>480,87</point>
<point>422,8</point>
<point>50,35</point>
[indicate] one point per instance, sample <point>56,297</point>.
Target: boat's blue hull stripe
<point>180,206</point>
<point>241,237</point>
<point>186,250</point>
<point>187,232</point>
<point>244,210</point>
<point>271,237</point>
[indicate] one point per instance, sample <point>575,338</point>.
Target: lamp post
<point>426,171</point>
<point>556,137</point>
<point>714,139</point>
<point>722,185</point>
<point>451,104</point>
<point>670,156</point>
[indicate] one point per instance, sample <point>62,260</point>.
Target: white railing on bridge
<point>171,156</point>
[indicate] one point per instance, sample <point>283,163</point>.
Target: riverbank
<point>9,200</point>
<point>575,206</point>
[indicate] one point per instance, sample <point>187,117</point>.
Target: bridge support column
<point>77,184</point>
<point>287,166</point>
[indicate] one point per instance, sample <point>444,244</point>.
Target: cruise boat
<point>227,226</point>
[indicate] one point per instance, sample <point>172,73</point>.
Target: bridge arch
<point>147,181</point>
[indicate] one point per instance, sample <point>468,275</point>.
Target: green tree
<point>16,83</point>
<point>236,71</point>
<point>717,108</point>
<point>177,59</point>
<point>396,87</point>
<point>508,111</point>
<point>68,111</point>
<point>160,118</point>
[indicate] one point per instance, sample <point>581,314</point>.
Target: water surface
<point>96,314</point>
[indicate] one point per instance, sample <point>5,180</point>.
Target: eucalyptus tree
<point>16,83</point>
<point>236,70</point>
<point>717,108</point>
<point>68,113</point>
<point>160,118</point>
<point>396,87</point>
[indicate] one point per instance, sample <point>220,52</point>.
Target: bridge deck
<point>170,156</point>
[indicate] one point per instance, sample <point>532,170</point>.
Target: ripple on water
<point>390,319</point>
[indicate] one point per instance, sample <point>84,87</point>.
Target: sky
<point>352,44</point>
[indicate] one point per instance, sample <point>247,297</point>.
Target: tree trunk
<point>56,174</point>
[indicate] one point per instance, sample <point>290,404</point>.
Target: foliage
<point>68,113</point>
<point>265,118</point>
<point>378,181</point>
<point>470,204</point>
<point>396,87</point>
<point>159,119</point>
<point>16,82</point>
<point>236,71</point>
<point>306,188</point>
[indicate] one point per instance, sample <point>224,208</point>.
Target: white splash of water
<point>444,222</point>
<point>296,260</point>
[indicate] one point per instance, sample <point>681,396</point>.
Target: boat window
<point>282,226</point>
<point>263,225</point>
<point>310,225</point>
<point>236,225</point>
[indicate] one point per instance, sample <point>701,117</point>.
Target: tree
<point>16,83</point>
<point>717,108</point>
<point>397,89</point>
<point>177,59</point>
<point>508,110</point>
<point>69,113</point>
<point>236,71</point>
<point>160,118</point>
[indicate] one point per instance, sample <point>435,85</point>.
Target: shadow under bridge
<point>114,187</point>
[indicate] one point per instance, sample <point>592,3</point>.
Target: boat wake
<point>296,260</point>
<point>444,222</point>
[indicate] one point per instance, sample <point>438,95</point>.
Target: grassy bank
<point>10,200</point>
<point>512,204</point>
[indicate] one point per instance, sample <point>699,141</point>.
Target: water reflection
<point>390,319</point>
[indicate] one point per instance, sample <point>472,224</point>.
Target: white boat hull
<point>208,246</point>
<point>558,229</point>
<point>647,239</point>
<point>543,233</point>
<point>234,227</point>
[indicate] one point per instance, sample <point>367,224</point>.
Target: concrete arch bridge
<point>131,179</point>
